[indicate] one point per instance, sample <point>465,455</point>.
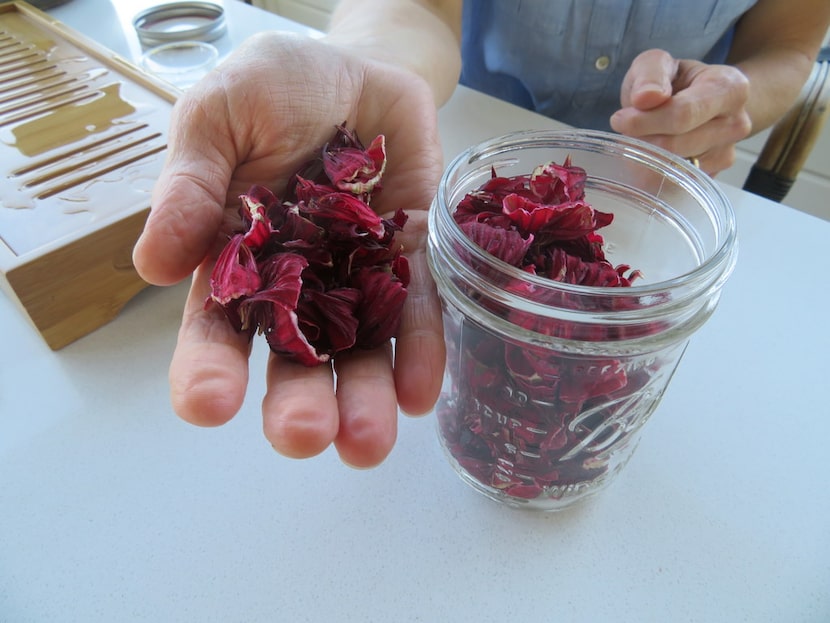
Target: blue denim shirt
<point>567,58</point>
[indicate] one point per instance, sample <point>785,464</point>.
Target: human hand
<point>255,120</point>
<point>690,108</point>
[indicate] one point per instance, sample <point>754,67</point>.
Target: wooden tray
<point>82,139</point>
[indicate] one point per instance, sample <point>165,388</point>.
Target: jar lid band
<point>180,21</point>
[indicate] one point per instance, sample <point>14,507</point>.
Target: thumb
<point>648,82</point>
<point>179,232</point>
<point>187,208</point>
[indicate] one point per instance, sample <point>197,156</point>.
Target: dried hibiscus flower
<point>317,272</point>
<point>524,419</point>
<point>542,223</point>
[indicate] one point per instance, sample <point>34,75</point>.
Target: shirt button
<point>602,63</point>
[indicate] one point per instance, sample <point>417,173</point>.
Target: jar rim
<point>714,268</point>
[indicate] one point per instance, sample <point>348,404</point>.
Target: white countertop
<point>113,509</point>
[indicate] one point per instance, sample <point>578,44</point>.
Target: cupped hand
<point>688,107</point>
<point>255,120</point>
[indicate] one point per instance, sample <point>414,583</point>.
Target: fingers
<point>303,412</point>
<point>705,117</point>
<point>299,410</point>
<point>648,82</point>
<point>419,349</point>
<point>368,406</point>
<point>718,159</point>
<point>702,93</point>
<point>303,415</point>
<point>712,144</point>
<point>209,369</point>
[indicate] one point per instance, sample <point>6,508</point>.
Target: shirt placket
<point>603,43</point>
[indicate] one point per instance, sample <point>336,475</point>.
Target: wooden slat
<point>84,134</point>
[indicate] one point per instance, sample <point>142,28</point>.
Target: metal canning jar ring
<point>180,21</point>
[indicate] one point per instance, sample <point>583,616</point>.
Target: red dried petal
<point>564,221</point>
<point>500,187</point>
<point>354,169</point>
<point>344,208</point>
<point>536,373</point>
<point>589,248</point>
<point>400,268</point>
<point>274,309</point>
<point>558,183</point>
<point>482,206</point>
<point>571,269</point>
<point>262,195</point>
<point>506,244</point>
<point>328,318</point>
<point>380,308</point>
<point>302,267</point>
<point>255,207</point>
<point>299,234</point>
<point>398,221</point>
<point>235,274</point>
<point>282,282</point>
<point>585,381</point>
<point>307,190</point>
<point>288,340</point>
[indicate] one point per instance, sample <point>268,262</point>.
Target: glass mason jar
<point>548,385</point>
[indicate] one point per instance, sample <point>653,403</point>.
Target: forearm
<point>775,79</point>
<point>775,46</point>
<point>421,36</point>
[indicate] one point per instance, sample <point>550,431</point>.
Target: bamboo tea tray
<point>82,139</point>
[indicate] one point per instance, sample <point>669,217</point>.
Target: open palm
<point>258,117</point>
